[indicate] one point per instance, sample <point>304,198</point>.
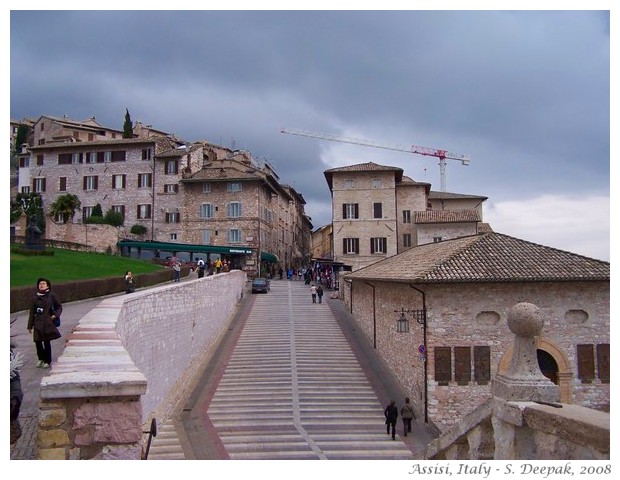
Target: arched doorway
<point>548,365</point>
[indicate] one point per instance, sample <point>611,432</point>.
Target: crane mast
<point>442,155</point>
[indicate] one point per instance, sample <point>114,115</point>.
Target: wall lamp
<point>402,324</point>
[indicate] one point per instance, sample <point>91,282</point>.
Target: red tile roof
<point>446,216</point>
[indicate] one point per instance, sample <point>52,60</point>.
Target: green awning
<point>185,247</point>
<point>268,257</point>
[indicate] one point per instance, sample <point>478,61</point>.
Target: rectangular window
<point>39,160</point>
<point>173,236</point>
<point>234,209</point>
<point>91,137</point>
<point>406,240</point>
<point>602,362</point>
<point>64,159</point>
<point>482,364</point>
<point>378,245</point>
<point>406,216</point>
<point>146,154</point>
<point>206,211</point>
<point>38,185</point>
<point>144,211</point>
<point>234,187</point>
<point>350,210</point>
<point>437,239</point>
<point>62,184</point>
<point>26,189</point>
<point>91,157</point>
<point>462,365</point>
<point>118,156</point>
<point>87,212</point>
<point>206,236</point>
<point>349,184</point>
<point>206,188</point>
<point>91,182</point>
<point>119,209</point>
<point>77,158</point>
<point>171,167</point>
<point>234,235</point>
<point>377,210</point>
<point>172,217</point>
<point>350,245</point>
<point>118,182</point>
<point>104,157</point>
<point>376,183</point>
<point>144,180</point>
<point>585,363</point>
<point>443,365</point>
<point>171,188</point>
<point>24,162</point>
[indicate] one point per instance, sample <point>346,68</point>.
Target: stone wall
<point>129,360</point>
<point>101,238</point>
<point>470,315</point>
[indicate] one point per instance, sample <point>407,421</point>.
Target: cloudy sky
<point>524,93</point>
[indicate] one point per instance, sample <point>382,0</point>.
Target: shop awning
<point>268,257</point>
<point>184,247</point>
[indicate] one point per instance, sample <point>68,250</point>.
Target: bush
<point>114,218</point>
<point>95,219</point>
<point>138,229</point>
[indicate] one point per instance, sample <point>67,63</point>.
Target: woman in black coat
<point>45,309</point>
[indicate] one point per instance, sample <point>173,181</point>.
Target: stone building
<point>218,200</point>
<point>452,298</point>
<point>378,212</point>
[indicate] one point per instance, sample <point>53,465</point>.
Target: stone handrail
<point>127,361</point>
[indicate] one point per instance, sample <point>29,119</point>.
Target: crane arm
<point>433,152</point>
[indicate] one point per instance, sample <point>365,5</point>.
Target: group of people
<point>317,292</point>
<point>391,415</point>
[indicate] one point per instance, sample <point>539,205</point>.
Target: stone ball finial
<point>525,320</point>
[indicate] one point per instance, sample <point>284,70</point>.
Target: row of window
<point>351,246</point>
<point>592,363</point>
<point>351,211</point>
<point>349,183</point>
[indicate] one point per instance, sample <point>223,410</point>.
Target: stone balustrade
<point>523,420</point>
<point>129,360</point>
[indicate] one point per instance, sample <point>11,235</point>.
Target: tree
<point>127,126</point>
<point>114,218</point>
<point>30,204</point>
<point>65,206</point>
<point>21,137</point>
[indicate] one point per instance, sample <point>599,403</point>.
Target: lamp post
<point>402,326</point>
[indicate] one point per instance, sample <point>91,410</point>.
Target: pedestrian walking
<point>43,320</point>
<point>201,268</point>
<point>130,285</point>
<point>319,293</point>
<point>218,265</point>
<point>406,413</point>
<point>391,414</point>
<point>176,267</point>
<point>313,292</point>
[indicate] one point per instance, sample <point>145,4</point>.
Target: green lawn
<point>67,265</point>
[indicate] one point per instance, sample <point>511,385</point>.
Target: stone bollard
<point>524,382</point>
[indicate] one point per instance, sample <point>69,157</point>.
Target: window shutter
<point>372,245</point>
<point>63,184</point>
<point>602,359</point>
<point>462,364</point>
<point>443,365</point>
<point>344,211</point>
<point>344,245</point>
<point>96,182</point>
<point>585,363</point>
<point>357,211</point>
<point>356,242</point>
<point>482,364</point>
<point>84,183</point>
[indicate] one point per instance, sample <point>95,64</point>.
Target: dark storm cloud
<point>524,93</point>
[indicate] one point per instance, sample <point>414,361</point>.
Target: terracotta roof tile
<point>363,167</point>
<point>490,257</point>
<point>446,216</point>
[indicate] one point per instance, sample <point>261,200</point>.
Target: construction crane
<point>442,155</point>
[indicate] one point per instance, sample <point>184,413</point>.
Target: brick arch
<point>565,373</point>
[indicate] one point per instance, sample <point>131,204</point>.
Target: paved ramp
<point>293,389</point>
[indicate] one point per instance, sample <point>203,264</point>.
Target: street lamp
<point>402,324</point>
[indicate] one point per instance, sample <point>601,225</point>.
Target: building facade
<point>181,193</point>
<point>455,296</point>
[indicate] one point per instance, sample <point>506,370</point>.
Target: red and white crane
<point>442,155</point>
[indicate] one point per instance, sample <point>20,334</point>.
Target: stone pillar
<point>524,382</point>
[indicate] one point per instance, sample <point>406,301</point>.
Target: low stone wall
<point>129,360</point>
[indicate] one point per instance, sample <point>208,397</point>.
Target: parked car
<point>260,285</point>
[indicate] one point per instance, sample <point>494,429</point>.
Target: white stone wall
<point>168,330</point>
